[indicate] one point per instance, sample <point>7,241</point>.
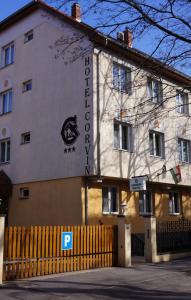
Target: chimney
<point>76,12</point>
<point>126,36</point>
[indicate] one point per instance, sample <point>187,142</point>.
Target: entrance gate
<point>137,244</point>
<point>36,251</point>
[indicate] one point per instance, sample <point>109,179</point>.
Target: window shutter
<point>129,82</point>
<point>149,88</point>
<point>113,199</point>
<point>105,200</point>
<point>131,138</point>
<point>189,149</point>
<point>163,146</point>
<point>177,101</point>
<point>160,92</point>
<point>186,105</point>
<point>170,203</point>
<point>116,136</point>
<point>141,202</point>
<point>151,143</point>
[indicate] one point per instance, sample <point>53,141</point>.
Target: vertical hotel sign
<point>87,114</point>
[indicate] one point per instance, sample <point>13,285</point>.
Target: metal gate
<point>137,244</point>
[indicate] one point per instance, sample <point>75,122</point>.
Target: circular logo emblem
<point>70,131</point>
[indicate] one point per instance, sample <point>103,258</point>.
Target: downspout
<point>86,200</point>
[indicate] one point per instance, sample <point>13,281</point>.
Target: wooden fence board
<point>36,251</point>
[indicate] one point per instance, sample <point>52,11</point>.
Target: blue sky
<point>8,7</point>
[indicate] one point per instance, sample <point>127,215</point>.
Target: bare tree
<point>165,24</point>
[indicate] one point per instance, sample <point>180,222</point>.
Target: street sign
<point>138,184</point>
<point>67,240</point>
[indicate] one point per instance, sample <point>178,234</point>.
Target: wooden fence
<point>36,251</point>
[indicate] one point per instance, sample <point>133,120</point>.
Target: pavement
<point>142,281</point>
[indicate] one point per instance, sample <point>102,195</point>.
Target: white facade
<point>71,78</point>
<point>136,109</point>
<point>60,89</point>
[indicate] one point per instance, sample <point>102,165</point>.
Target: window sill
<point>155,103</point>
<point>121,150</point>
<point>4,163</point>
<point>174,214</point>
<point>184,162</point>
<point>24,143</point>
<point>25,91</point>
<point>157,157</point>
<point>110,213</point>
<point>146,214</point>
<point>5,66</point>
<point>4,114</point>
<point>121,91</point>
<point>184,113</point>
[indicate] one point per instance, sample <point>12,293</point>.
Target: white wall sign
<point>138,184</point>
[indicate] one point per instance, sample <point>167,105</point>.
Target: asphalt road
<point>141,281</point>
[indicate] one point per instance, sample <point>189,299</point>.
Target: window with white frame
<point>174,203</point>
<point>28,36</point>
<point>145,202</point>
<point>25,138</point>
<point>6,102</point>
<point>109,200</point>
<point>121,78</point>
<point>123,139</point>
<point>182,105</point>
<point>154,88</point>
<point>156,144</point>
<point>184,150</point>
<point>27,86</point>
<point>24,193</point>
<point>8,54</point>
<point>5,150</point>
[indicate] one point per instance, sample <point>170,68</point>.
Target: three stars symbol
<point>69,150</point>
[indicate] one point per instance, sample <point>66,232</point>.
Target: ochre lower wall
<point>160,206</point>
<point>53,202</point>
<point>62,201</point>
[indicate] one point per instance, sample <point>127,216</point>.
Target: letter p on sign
<point>67,240</point>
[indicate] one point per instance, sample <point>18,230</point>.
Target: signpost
<point>138,183</point>
<point>67,240</point>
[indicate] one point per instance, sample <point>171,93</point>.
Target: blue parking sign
<point>67,240</point>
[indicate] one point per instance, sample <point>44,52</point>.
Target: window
<point>182,103</point>
<point>155,90</point>
<point>25,138</point>
<point>156,144</point>
<point>121,78</point>
<point>184,150</point>
<point>109,200</point>
<point>24,193</point>
<point>174,203</point>
<point>6,102</point>
<point>5,150</point>
<point>145,203</point>
<point>27,86</point>
<point>8,54</point>
<point>28,36</point>
<point>123,136</point>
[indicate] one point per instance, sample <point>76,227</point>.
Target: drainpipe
<point>86,200</point>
